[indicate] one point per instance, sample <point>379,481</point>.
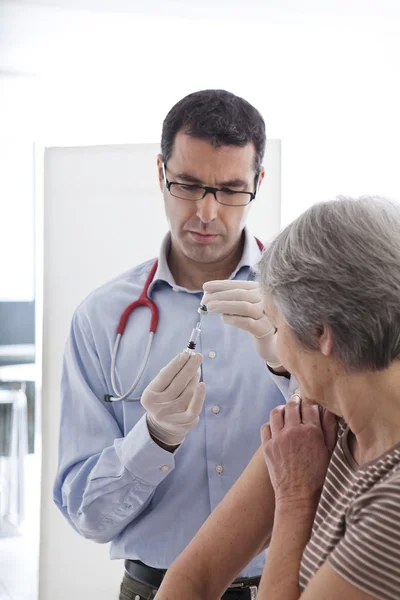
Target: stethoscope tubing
<point>143,300</point>
<point>117,394</point>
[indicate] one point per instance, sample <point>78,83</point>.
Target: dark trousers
<point>133,590</point>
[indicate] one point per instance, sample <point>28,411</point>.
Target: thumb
<point>266,434</point>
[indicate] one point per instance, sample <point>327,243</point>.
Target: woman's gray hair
<point>338,265</point>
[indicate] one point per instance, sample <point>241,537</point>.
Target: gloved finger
<point>220,285</point>
<point>241,309</point>
<point>178,403</point>
<point>258,327</point>
<point>237,294</point>
<point>169,372</point>
<point>192,408</point>
<point>196,405</point>
<point>184,377</point>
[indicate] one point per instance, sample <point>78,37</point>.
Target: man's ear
<point>260,178</point>
<point>160,171</point>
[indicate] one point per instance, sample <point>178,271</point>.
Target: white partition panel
<point>103,213</point>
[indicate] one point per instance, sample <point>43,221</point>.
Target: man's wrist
<point>162,445</point>
<point>156,432</point>
<point>280,371</point>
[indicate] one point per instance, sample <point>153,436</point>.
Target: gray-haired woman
<point>330,284</point>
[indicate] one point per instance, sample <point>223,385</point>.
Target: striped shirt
<point>357,524</point>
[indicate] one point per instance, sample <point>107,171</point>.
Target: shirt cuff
<point>284,385</point>
<point>142,457</point>
<point>282,374</point>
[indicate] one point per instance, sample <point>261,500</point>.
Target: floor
<point>19,555</point>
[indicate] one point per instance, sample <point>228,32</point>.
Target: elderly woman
<point>330,284</point>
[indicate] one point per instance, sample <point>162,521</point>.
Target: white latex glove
<point>241,304</point>
<point>174,399</point>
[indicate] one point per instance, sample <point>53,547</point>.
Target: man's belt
<point>153,577</point>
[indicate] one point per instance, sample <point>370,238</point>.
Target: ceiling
<point>47,36</point>
<point>235,8</point>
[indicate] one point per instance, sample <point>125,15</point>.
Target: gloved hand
<point>174,399</point>
<point>241,304</point>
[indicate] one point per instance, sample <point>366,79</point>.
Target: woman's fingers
<point>277,419</point>
<point>266,433</point>
<point>293,411</point>
<point>310,413</point>
<point>302,412</point>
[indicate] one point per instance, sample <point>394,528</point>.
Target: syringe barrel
<point>194,338</point>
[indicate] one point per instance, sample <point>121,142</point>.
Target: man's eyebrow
<point>223,184</point>
<point>188,178</point>
<point>233,183</point>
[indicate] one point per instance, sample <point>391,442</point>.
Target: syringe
<point>202,310</point>
<point>194,338</point>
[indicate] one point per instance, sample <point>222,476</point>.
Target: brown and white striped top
<point>357,524</point>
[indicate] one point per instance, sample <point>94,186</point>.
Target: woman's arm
<point>237,530</point>
<point>292,529</point>
<point>297,448</point>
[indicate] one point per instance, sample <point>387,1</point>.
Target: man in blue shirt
<point>145,475</point>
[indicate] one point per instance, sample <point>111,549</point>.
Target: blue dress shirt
<point>114,483</point>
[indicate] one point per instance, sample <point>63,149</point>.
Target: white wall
<point>103,214</point>
<point>327,85</point>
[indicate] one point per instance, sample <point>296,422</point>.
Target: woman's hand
<point>297,445</point>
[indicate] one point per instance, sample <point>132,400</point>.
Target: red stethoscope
<point>143,300</point>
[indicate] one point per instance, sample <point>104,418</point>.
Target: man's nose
<point>207,208</point>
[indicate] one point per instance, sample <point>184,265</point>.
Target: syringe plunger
<point>194,338</point>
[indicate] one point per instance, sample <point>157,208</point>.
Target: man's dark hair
<point>219,117</point>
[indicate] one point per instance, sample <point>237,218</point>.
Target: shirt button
<point>137,597</point>
<point>219,469</point>
<point>212,354</point>
<point>175,289</point>
<point>216,409</point>
<point>165,468</point>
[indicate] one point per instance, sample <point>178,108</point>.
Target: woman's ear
<point>326,341</point>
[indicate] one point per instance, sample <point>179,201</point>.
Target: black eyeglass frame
<point>207,190</point>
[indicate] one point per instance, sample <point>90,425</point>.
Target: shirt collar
<point>250,256</point>
<point>163,272</point>
<point>251,253</point>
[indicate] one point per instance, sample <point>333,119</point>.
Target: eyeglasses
<point>193,193</point>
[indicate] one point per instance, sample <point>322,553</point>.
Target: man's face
<point>205,231</point>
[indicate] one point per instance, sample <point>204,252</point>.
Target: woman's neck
<point>370,405</point>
